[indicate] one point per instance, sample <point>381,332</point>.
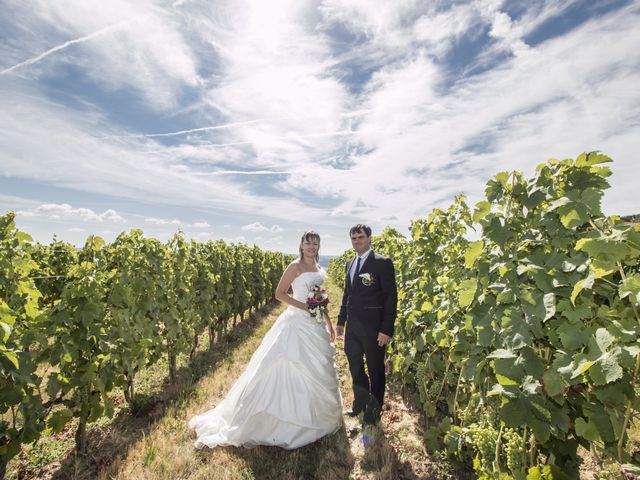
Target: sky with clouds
<point>253,121</point>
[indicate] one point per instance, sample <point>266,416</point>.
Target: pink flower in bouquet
<point>317,301</point>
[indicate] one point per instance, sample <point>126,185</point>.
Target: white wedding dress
<point>288,395</point>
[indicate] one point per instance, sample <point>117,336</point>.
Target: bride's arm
<point>332,332</point>
<point>289,275</point>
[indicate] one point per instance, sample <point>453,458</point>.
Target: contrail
<point>286,137</point>
<point>192,130</point>
<point>356,113</point>
<point>329,134</point>
<point>244,172</point>
<point>31,61</point>
<point>209,145</point>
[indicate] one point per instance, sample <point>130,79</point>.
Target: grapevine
<point>96,316</point>
<point>540,311</point>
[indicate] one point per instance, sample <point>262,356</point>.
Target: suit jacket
<point>369,309</point>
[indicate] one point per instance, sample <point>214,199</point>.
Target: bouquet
<point>317,301</point>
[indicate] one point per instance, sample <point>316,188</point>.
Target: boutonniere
<point>367,279</point>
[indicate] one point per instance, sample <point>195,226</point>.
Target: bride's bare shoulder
<point>294,266</point>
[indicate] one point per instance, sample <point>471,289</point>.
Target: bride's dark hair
<point>308,236</point>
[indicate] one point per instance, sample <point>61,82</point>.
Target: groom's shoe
<point>370,420</point>
<point>353,412</point>
<point>371,416</point>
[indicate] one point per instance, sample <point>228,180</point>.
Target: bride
<point>288,395</point>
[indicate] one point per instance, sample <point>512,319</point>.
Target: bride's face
<point>310,247</point>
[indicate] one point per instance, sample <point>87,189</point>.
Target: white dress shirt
<point>363,258</point>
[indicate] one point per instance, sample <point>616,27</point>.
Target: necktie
<point>355,272</point>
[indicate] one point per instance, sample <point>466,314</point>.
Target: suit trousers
<point>369,385</point>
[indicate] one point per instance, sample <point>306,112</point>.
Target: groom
<point>369,311</point>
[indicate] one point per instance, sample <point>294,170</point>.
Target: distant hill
<point>324,260</point>
<point>631,218</point>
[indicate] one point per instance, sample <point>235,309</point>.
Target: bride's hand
<point>332,332</point>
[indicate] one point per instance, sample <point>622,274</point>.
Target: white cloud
<point>509,33</point>
<point>118,44</point>
<point>274,67</point>
<point>259,227</point>
<point>75,229</point>
<point>58,211</point>
<point>441,31</point>
<point>400,97</point>
<point>25,213</point>
<point>201,225</point>
<point>163,221</point>
<point>45,142</point>
<point>112,215</point>
<point>374,18</point>
<point>254,227</point>
<point>573,93</point>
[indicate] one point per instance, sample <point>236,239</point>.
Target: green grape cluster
<point>514,450</point>
<point>472,413</point>
<point>434,389</point>
<point>429,388</point>
<point>484,443</point>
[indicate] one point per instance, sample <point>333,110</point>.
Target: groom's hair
<point>360,227</point>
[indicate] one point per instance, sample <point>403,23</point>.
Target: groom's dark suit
<point>367,310</point>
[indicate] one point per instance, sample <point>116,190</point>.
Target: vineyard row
<point>521,340</point>
<point>75,324</point>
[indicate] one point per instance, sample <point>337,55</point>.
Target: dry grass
<point>167,451</point>
<point>156,443</point>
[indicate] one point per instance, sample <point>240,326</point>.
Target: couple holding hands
<point>288,395</point>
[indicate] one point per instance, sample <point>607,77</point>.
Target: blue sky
<point>253,121</point>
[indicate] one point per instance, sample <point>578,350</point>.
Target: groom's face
<point>360,242</point>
